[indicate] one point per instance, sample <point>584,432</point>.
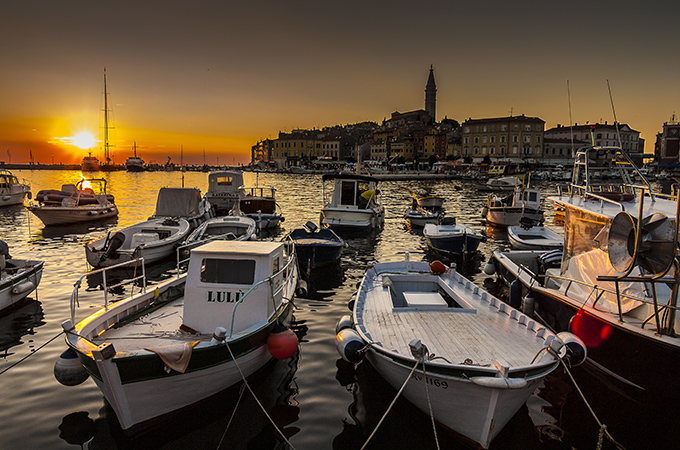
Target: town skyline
<point>188,79</point>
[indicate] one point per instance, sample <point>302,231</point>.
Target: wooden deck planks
<point>482,337</point>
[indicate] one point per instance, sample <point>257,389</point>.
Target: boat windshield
<point>586,232</point>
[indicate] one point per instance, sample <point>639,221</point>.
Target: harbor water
<point>314,397</point>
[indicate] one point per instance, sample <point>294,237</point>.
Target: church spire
<point>431,95</point>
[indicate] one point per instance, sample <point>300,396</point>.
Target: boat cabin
<point>254,200</point>
<point>220,275</point>
<point>224,182</point>
<point>352,191</point>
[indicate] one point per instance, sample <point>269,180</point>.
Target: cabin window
<point>347,193</point>
<point>276,266</point>
<point>228,271</point>
<point>224,181</point>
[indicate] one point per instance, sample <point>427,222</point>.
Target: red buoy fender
<point>282,342</point>
<point>437,267</point>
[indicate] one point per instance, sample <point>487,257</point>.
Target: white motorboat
<point>616,282</point>
<point>135,163</point>
<point>188,338</point>
<point>354,204</point>
<point>259,203</point>
<point>223,190</point>
<point>509,210</point>
<point>12,191</point>
<point>185,203</point>
<point>18,277</point>
<point>450,238</point>
<point>84,202</point>
<point>153,240</point>
<point>489,358</point>
<point>534,238</point>
<point>226,228</point>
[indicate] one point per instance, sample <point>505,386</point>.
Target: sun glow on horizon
<point>81,140</point>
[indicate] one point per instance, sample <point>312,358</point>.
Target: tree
<point>486,160</point>
<point>454,123</point>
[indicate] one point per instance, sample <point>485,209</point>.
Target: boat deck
<point>487,331</point>
<point>158,328</point>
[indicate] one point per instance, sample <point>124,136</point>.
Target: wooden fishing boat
<point>534,238</point>
<point>153,240</point>
<point>489,358</point>
<point>75,203</point>
<point>192,336</point>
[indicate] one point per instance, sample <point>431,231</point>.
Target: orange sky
<point>217,77</point>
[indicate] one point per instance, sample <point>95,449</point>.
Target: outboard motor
<point>115,243</point>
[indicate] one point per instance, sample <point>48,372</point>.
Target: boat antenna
<point>571,123</point>
<point>616,122</point>
<point>181,162</point>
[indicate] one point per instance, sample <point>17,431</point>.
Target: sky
<point>203,81</point>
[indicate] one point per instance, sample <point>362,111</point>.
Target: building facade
<point>602,135</point>
<point>667,146</point>
<point>517,139</point>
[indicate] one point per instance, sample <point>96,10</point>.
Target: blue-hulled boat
<point>449,238</point>
<point>314,246</point>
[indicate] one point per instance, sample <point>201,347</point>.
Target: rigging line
<point>391,404</point>
<point>616,122</point>
<point>276,427</point>
<point>32,353</point>
<point>571,126</point>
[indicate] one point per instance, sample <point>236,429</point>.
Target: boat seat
<point>142,238</point>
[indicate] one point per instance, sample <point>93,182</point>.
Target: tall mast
<point>106,122</point>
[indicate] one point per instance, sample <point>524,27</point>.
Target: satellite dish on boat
<point>657,243</point>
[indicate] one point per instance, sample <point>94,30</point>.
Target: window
<point>527,138</point>
<point>476,139</point>
<point>493,128</point>
<point>492,139</point>
<point>228,271</point>
<point>527,127</point>
<point>466,140</point>
<point>492,150</point>
<point>515,127</point>
<point>503,138</point>
<point>504,127</point>
<point>467,129</point>
<point>515,138</point>
<point>476,150</point>
<point>484,129</point>
<point>484,138</point>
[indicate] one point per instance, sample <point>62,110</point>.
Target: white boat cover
<point>178,202</point>
<point>586,267</point>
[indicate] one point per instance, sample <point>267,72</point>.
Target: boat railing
<point>286,272</point>
<point>599,291</point>
<point>139,262</point>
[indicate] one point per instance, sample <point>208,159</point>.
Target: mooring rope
<point>233,413</point>
<point>603,428</point>
<point>32,353</point>
<point>429,404</point>
<point>391,404</point>
<point>245,382</point>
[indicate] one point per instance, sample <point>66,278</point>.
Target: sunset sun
<point>84,140</point>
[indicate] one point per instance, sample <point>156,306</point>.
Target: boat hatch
<point>408,292</point>
<point>220,275</point>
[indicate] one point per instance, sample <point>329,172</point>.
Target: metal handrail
<point>291,263</point>
<point>76,286</point>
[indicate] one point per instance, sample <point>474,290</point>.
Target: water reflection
<point>17,321</point>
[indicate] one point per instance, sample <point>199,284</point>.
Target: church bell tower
<point>431,96</point>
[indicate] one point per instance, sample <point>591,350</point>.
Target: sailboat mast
<point>106,122</point>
